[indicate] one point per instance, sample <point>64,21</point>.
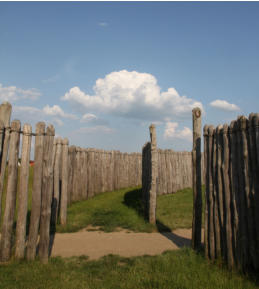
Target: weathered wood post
<point>211,226</point>
<point>57,174</point>
<point>196,166</point>
<point>63,202</point>
<point>219,189</point>
<point>23,193</point>
<point>227,194</point>
<point>207,190</point>
<point>70,172</point>
<point>36,191</point>
<point>243,250</point>
<point>1,137</point>
<point>5,115</point>
<point>255,121</point>
<point>47,187</point>
<point>153,189</point>
<point>7,226</point>
<point>248,194</point>
<point>233,188</point>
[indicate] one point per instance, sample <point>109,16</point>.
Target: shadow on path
<point>179,241</point>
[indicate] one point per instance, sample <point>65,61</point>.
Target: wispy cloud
<point>103,24</point>
<point>47,113</point>
<point>52,79</point>
<point>95,129</point>
<point>13,93</point>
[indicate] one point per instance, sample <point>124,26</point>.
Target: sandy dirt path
<point>97,244</point>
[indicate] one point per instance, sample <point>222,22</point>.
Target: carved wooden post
<point>47,187</point>
<point>23,193</point>
<point>152,193</point>
<point>197,195</point>
<point>5,115</point>
<point>7,226</point>
<point>63,202</point>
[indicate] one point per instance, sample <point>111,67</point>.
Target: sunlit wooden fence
<point>232,192</point>
<point>61,174</point>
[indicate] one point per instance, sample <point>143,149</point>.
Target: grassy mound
<point>123,209</point>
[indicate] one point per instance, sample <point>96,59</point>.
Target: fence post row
<point>231,213</point>
<point>61,174</point>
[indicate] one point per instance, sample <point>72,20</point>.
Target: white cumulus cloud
<point>171,131</point>
<point>13,93</point>
<point>223,104</point>
<point>56,110</point>
<point>132,94</point>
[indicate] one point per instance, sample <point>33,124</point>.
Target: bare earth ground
<point>96,244</point>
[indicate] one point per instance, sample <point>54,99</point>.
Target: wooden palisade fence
<point>17,187</point>
<point>61,175</point>
<point>93,171</point>
<point>232,192</point>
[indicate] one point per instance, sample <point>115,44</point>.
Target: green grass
<point>181,269</point>
<point>109,211</point>
<point>124,209</point>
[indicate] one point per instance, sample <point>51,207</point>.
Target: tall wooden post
<point>210,153</point>
<point>152,193</point>
<point>47,189</point>
<point>23,193</point>
<point>63,201</point>
<point>7,227</point>
<point>256,194</point>
<point>207,204</point>
<point>36,191</point>
<point>196,168</point>
<point>57,187</point>
<point>5,115</point>
<point>226,183</point>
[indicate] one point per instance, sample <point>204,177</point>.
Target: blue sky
<point>101,72</point>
